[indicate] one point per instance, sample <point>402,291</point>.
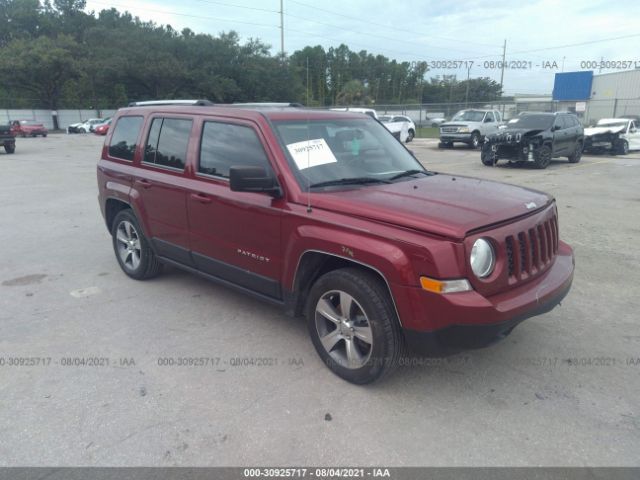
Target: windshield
<point>28,122</point>
<point>468,116</point>
<point>538,122</point>
<point>332,150</point>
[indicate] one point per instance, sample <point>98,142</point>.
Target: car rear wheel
<point>10,148</point>
<point>353,325</point>
<point>133,252</point>
<point>543,157</point>
<point>577,154</point>
<point>475,140</point>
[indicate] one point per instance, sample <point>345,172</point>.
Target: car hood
<point>440,204</point>
<point>395,126</point>
<point>604,129</point>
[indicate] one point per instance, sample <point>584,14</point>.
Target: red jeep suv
<point>326,214</point>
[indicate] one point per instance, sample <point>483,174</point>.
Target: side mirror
<point>253,179</point>
<point>487,120</point>
<point>556,127</point>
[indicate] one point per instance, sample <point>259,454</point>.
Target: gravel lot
<point>562,390</point>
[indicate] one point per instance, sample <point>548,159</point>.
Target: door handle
<point>145,183</point>
<point>201,197</point>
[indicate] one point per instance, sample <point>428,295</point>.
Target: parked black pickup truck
<point>7,139</point>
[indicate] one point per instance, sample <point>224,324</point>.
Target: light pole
<point>466,95</point>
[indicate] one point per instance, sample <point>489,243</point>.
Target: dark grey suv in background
<point>536,138</point>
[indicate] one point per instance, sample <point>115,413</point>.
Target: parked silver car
<point>470,127</point>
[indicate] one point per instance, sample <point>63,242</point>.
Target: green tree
<point>39,67</point>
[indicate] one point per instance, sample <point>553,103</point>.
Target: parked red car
<point>327,215</point>
<point>28,128</point>
<point>103,128</point>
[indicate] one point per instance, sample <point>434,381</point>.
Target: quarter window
<point>167,142</point>
<point>124,138</point>
<point>226,145</point>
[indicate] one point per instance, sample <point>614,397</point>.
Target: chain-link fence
<point>65,117</point>
<point>424,115</point>
<point>589,112</point>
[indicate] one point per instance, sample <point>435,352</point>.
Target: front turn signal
<point>445,286</point>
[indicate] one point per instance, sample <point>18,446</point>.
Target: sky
<point>460,37</point>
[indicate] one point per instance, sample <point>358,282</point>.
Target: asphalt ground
<point>84,349</point>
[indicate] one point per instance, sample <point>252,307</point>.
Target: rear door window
<point>124,138</point>
<point>167,142</point>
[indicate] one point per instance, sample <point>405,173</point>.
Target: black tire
<point>621,147</point>
<point>487,156</point>
<point>543,157</point>
<point>577,153</point>
<point>10,148</point>
<point>411,136</point>
<point>377,317</point>
<point>44,135</point>
<point>476,140</point>
<point>148,265</point>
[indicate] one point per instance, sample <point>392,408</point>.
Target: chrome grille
<point>449,129</point>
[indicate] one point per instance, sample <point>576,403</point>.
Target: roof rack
<point>265,104</point>
<point>150,103</point>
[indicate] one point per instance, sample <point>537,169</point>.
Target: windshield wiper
<point>349,181</point>
<point>408,173</point>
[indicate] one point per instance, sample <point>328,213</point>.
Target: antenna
<point>308,149</point>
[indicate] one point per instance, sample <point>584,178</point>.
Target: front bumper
<point>446,324</point>
<point>455,137</point>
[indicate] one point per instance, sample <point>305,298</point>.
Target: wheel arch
<point>312,264</point>
<point>114,205</point>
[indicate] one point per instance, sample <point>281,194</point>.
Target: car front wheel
<point>488,156</point>
<point>475,140</point>
<point>543,157</point>
<point>353,325</point>
<point>10,148</point>
<point>411,135</point>
<point>621,147</point>
<point>132,249</point>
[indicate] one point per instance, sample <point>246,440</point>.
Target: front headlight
<point>482,258</point>
<point>463,130</point>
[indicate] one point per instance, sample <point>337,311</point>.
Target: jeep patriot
<point>327,215</point>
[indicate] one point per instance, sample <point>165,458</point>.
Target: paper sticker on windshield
<point>311,153</point>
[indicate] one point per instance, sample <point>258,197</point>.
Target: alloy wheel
<point>128,242</point>
<point>344,329</point>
